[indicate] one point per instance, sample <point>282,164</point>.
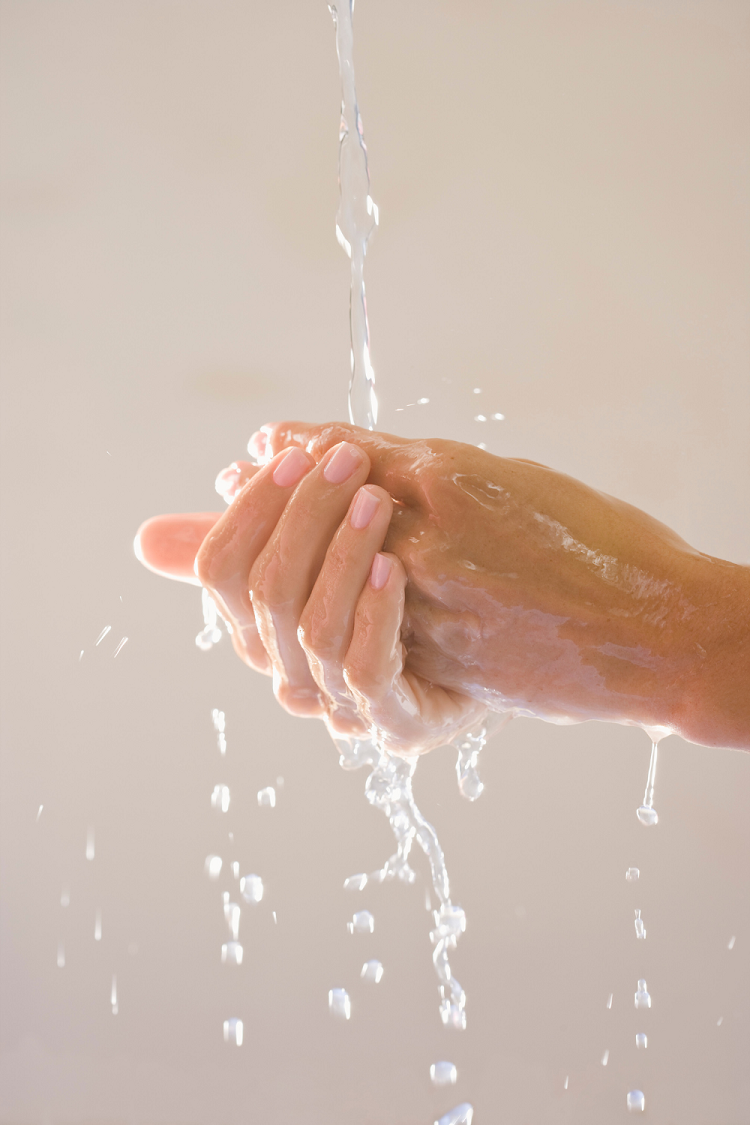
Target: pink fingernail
<point>364,508</point>
<point>345,460</point>
<point>381,568</point>
<point>291,469</point>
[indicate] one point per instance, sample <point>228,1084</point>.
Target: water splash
<point>251,888</point>
<point>219,720</point>
<point>339,1003</point>
<point>210,634</point>
<point>640,929</point>
<point>356,219</point>
<point>443,1074</point>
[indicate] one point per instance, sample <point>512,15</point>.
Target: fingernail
<point>227,481</point>
<point>256,447</point>
<point>291,469</point>
<point>345,460</point>
<point>381,568</point>
<point>364,508</point>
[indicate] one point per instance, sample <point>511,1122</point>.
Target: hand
<point>530,593</point>
<point>294,565</point>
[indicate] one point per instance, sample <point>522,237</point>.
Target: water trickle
<point>90,843</point>
<point>231,953</point>
<point>443,1074</point>
<point>251,888</point>
<point>356,220</point>
<point>210,634</point>
<point>641,1041</point>
<point>632,875</point>
<point>219,721</point>
<point>461,1115</point>
<point>232,918</point>
<point>213,866</point>
<point>220,798</point>
<point>640,929</point>
<point>120,646</point>
<point>642,998</point>
<point>339,1004</point>
<point>98,925</point>
<point>372,971</point>
<point>102,635</point>
<point>233,1031</point>
<point>647,813</point>
<point>355,883</point>
<point>469,747</point>
<point>362,923</point>
<point>267,797</point>
<point>636,1101</point>
<point>113,996</point>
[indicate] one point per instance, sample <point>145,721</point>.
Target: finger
<point>393,460</point>
<point>231,480</point>
<point>168,544</point>
<point>287,569</point>
<point>227,554</point>
<point>327,622</point>
<point>411,714</point>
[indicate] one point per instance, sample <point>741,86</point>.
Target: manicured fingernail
<point>256,447</point>
<point>364,508</point>
<point>291,469</point>
<point>227,481</point>
<point>345,460</point>
<point>381,568</point>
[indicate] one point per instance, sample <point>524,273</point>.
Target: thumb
<point>168,544</point>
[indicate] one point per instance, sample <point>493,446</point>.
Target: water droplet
<point>231,953</point>
<point>279,782</point>
<point>610,999</point>
<point>60,955</point>
<point>719,1021</point>
<point>636,1101</point>
<point>102,635</point>
<point>427,900</point>
<point>90,845</point>
<point>211,633</point>
<point>113,996</point>
<point>232,918</point>
<point>98,925</point>
<point>498,417</point>
<point>251,888</point>
<point>641,1041</point>
<point>477,390</point>
<point>565,1083</point>
<point>213,866</point>
<point>219,720</point>
<point>443,1074</point>
<point>355,883</point>
<point>647,816</point>
<point>480,417</point>
<point>220,798</point>
<point>450,921</point>
<point>632,875</point>
<point>233,1031</point>
<point>372,971</point>
<point>267,797</point>
<point>730,943</point>
<point>39,813</point>
<point>642,998</point>
<point>274,917</point>
<point>640,929</point>
<point>362,923</point>
<point>461,1115</point>
<point>339,1004</point>
<point>235,869</point>
<point>121,646</point>
<point>471,786</point>
<point>605,1057</point>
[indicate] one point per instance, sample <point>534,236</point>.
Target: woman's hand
<point>523,591</point>
<point>295,566</point>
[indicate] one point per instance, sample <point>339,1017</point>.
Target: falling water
<point>647,813</point>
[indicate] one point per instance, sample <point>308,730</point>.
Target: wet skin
<point>501,585</point>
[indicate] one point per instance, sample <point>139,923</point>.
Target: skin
<point>509,588</point>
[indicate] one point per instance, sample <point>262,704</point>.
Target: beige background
<point>564,222</point>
